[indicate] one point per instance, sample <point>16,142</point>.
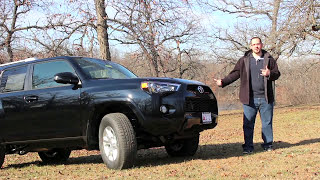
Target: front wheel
<point>184,147</point>
<point>2,155</point>
<point>55,155</point>
<point>117,141</point>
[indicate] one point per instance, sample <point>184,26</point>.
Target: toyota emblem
<point>200,89</point>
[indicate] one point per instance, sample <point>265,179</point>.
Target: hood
<point>138,80</point>
<point>173,80</point>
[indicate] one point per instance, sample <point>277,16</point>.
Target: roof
<point>20,61</point>
<point>28,60</point>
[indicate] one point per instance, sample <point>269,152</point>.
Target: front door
<point>52,109</point>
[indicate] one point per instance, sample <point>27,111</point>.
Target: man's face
<point>256,45</point>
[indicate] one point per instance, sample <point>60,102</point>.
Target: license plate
<point>206,118</point>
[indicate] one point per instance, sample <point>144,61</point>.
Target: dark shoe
<point>247,152</point>
<point>268,149</point>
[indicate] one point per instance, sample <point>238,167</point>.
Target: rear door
<point>12,119</point>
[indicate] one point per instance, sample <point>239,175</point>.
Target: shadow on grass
<point>281,144</point>
<point>158,156</point>
<point>154,157</point>
<point>92,159</point>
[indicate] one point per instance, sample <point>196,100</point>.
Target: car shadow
<point>158,156</point>
<point>91,159</point>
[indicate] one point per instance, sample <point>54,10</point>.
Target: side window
<point>43,73</point>
<point>13,79</point>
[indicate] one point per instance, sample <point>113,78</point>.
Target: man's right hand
<point>218,82</point>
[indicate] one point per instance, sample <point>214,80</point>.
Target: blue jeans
<point>249,117</point>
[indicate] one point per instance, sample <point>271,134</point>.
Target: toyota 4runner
<point>56,105</point>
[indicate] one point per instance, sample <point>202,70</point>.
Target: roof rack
<point>19,61</point>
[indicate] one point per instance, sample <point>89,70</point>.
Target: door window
<point>43,73</point>
<point>13,79</point>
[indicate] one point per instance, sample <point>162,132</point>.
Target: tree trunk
<point>274,30</point>
<point>9,48</point>
<point>102,29</point>
<point>11,31</point>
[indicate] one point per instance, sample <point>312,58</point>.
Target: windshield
<point>101,69</point>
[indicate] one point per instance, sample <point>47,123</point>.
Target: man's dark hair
<point>256,37</point>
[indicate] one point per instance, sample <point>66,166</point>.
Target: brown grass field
<point>296,155</point>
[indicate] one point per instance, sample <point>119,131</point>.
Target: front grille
<point>207,93</point>
<point>201,101</point>
<point>199,105</point>
<point>195,88</point>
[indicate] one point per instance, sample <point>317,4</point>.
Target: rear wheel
<point>184,147</point>
<point>57,155</point>
<point>117,141</point>
<point>2,155</point>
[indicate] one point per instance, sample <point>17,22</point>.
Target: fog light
<point>163,109</point>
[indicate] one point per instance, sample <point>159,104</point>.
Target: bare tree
<point>86,26</point>
<point>314,15</point>
<point>154,26</point>
<point>20,28</point>
<point>102,29</point>
<point>292,89</point>
<point>282,24</point>
<point>181,62</point>
<point>10,14</point>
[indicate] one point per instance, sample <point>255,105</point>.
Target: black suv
<point>55,105</point>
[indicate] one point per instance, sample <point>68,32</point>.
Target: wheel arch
<point>100,110</point>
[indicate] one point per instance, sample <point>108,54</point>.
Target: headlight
<point>159,87</point>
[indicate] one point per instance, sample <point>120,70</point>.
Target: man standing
<point>256,70</point>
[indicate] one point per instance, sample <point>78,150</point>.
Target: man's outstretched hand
<point>218,82</point>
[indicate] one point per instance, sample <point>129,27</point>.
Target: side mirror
<point>66,78</point>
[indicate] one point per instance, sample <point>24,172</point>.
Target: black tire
<point>117,141</point>
<point>57,155</point>
<point>184,147</point>
<point>2,155</point>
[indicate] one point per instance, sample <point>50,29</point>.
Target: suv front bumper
<point>187,112</point>
<point>200,119</point>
